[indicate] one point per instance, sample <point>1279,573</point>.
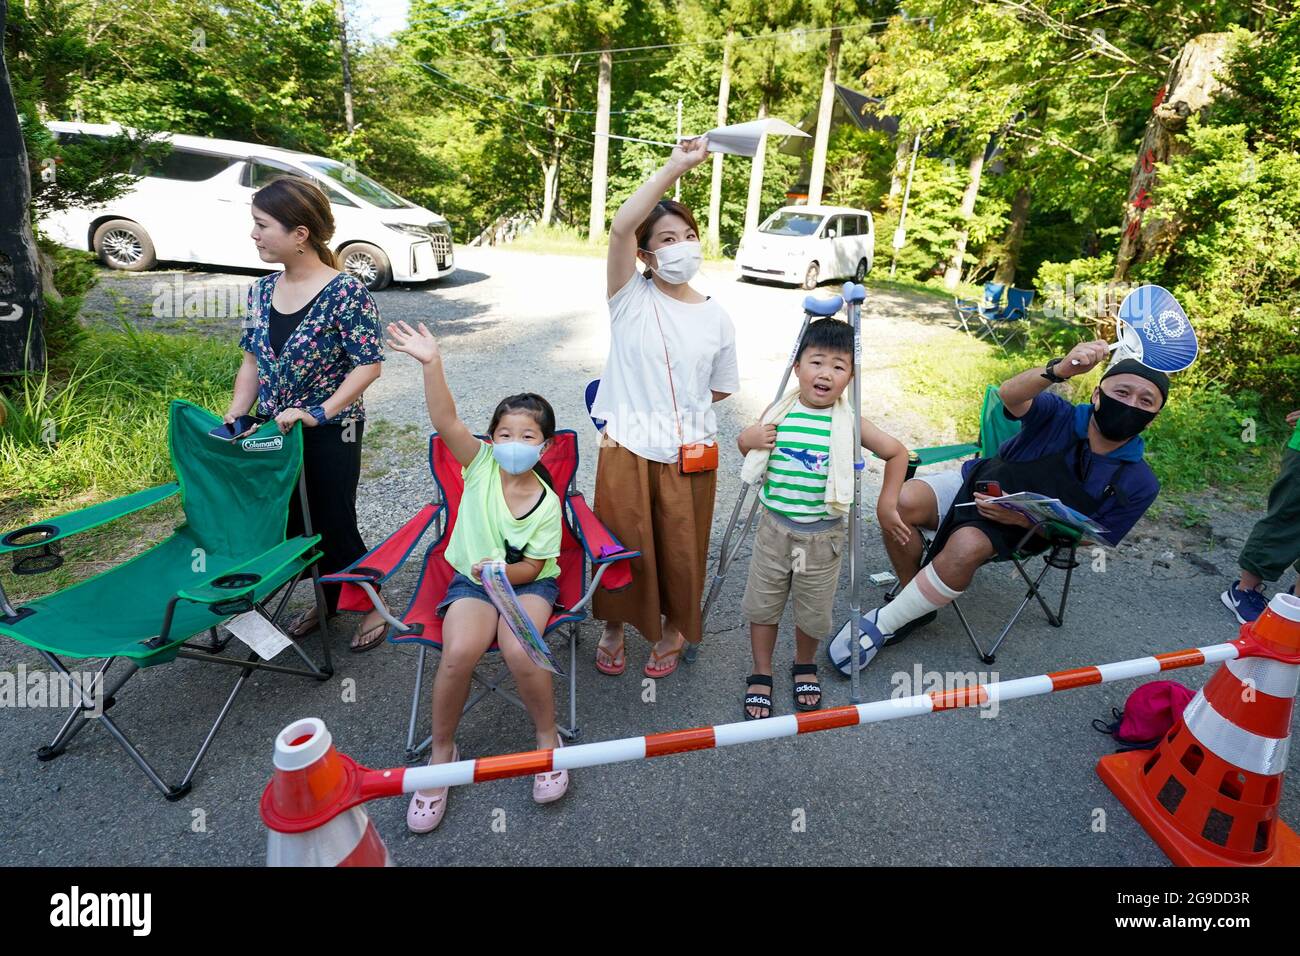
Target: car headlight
<point>408,229</point>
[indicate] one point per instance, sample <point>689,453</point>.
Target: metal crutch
<point>854,295</point>
<point>812,306</point>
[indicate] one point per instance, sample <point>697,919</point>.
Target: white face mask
<point>678,262</point>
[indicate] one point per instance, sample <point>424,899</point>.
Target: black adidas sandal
<point>806,688</point>
<point>758,700</point>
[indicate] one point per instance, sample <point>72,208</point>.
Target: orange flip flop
<point>674,654</point>
<point>618,662</point>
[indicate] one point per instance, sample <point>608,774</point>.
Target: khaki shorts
<point>787,562</point>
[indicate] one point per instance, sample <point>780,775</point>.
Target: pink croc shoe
<point>427,807</point>
<point>549,787</point>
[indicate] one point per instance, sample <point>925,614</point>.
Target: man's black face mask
<point>1118,421</point>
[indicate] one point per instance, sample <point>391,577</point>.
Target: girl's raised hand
<point>418,343</point>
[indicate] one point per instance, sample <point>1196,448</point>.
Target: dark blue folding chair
<point>1002,326</point>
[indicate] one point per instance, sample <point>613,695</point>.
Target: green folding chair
<point>995,428</point>
<point>230,557</point>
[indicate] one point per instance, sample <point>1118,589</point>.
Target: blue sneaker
<point>870,641</point>
<point>1244,605</point>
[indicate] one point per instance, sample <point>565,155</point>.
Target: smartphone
<point>242,424</point>
<point>991,488</point>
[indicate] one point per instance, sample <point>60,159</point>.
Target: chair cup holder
<point>238,580</point>
<point>38,555</point>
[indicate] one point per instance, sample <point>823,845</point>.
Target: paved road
<point>957,788</point>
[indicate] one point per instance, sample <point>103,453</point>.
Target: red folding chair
<point>583,539</point>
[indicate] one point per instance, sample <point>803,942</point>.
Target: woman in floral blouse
<point>311,347</point>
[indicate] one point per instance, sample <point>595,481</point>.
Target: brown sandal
<point>368,643</point>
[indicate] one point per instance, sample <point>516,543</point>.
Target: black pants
<point>332,467</point>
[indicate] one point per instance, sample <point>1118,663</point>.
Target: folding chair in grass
<point>229,557</point>
<point>1003,325</point>
<point>1063,542</point>
<point>583,538</point>
<point>968,310</point>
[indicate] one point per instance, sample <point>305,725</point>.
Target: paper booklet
<point>506,602</point>
<point>1038,507</point>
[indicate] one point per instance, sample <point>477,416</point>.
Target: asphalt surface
<point>951,789</point>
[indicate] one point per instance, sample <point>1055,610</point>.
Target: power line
<point>510,115</point>
<point>537,106</point>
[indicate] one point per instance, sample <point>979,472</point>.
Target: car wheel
<point>123,244</point>
<point>368,264</point>
<point>860,272</point>
<point>811,276</point>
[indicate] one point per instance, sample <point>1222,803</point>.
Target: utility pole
<point>715,187</point>
<point>677,188</point>
<point>342,15</point>
<point>600,151</point>
<point>900,234</point>
<point>755,199</point>
<point>817,176</point>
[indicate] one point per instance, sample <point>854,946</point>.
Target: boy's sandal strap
<point>798,669</point>
<point>807,689</point>
<point>764,680</point>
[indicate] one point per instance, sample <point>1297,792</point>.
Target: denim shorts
<point>463,587</point>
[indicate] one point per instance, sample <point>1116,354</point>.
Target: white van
<point>808,245</point>
<point>194,206</point>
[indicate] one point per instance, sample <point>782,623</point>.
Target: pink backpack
<point>1148,714</point>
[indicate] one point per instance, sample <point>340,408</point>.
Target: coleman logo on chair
<point>274,443</point>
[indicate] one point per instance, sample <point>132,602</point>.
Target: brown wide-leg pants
<point>653,508</point>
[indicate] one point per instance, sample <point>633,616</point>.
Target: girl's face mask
<point>678,262</point>
<point>516,457</point>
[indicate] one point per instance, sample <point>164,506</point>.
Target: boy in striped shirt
<point>802,451</point>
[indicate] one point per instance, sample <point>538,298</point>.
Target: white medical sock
<point>924,593</point>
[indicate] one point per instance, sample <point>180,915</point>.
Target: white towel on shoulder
<point>839,480</point>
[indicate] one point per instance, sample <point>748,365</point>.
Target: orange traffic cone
<point>305,806</point>
<point>1208,794</point>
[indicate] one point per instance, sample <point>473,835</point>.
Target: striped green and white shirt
<point>797,469</point>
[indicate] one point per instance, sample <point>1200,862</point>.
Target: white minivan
<point>194,206</point>
<point>808,245</point>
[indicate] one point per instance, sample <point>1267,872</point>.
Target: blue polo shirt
<point>1053,424</point>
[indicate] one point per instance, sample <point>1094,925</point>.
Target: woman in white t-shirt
<point>672,354</point>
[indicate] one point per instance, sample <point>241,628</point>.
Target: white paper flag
<point>742,139</point>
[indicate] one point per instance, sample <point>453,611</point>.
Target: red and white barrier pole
<point>352,784</point>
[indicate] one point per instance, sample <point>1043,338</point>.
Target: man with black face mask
<point>1087,455</point>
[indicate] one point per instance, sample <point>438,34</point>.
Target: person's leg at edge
<point>940,582</point>
<point>1271,545</point>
